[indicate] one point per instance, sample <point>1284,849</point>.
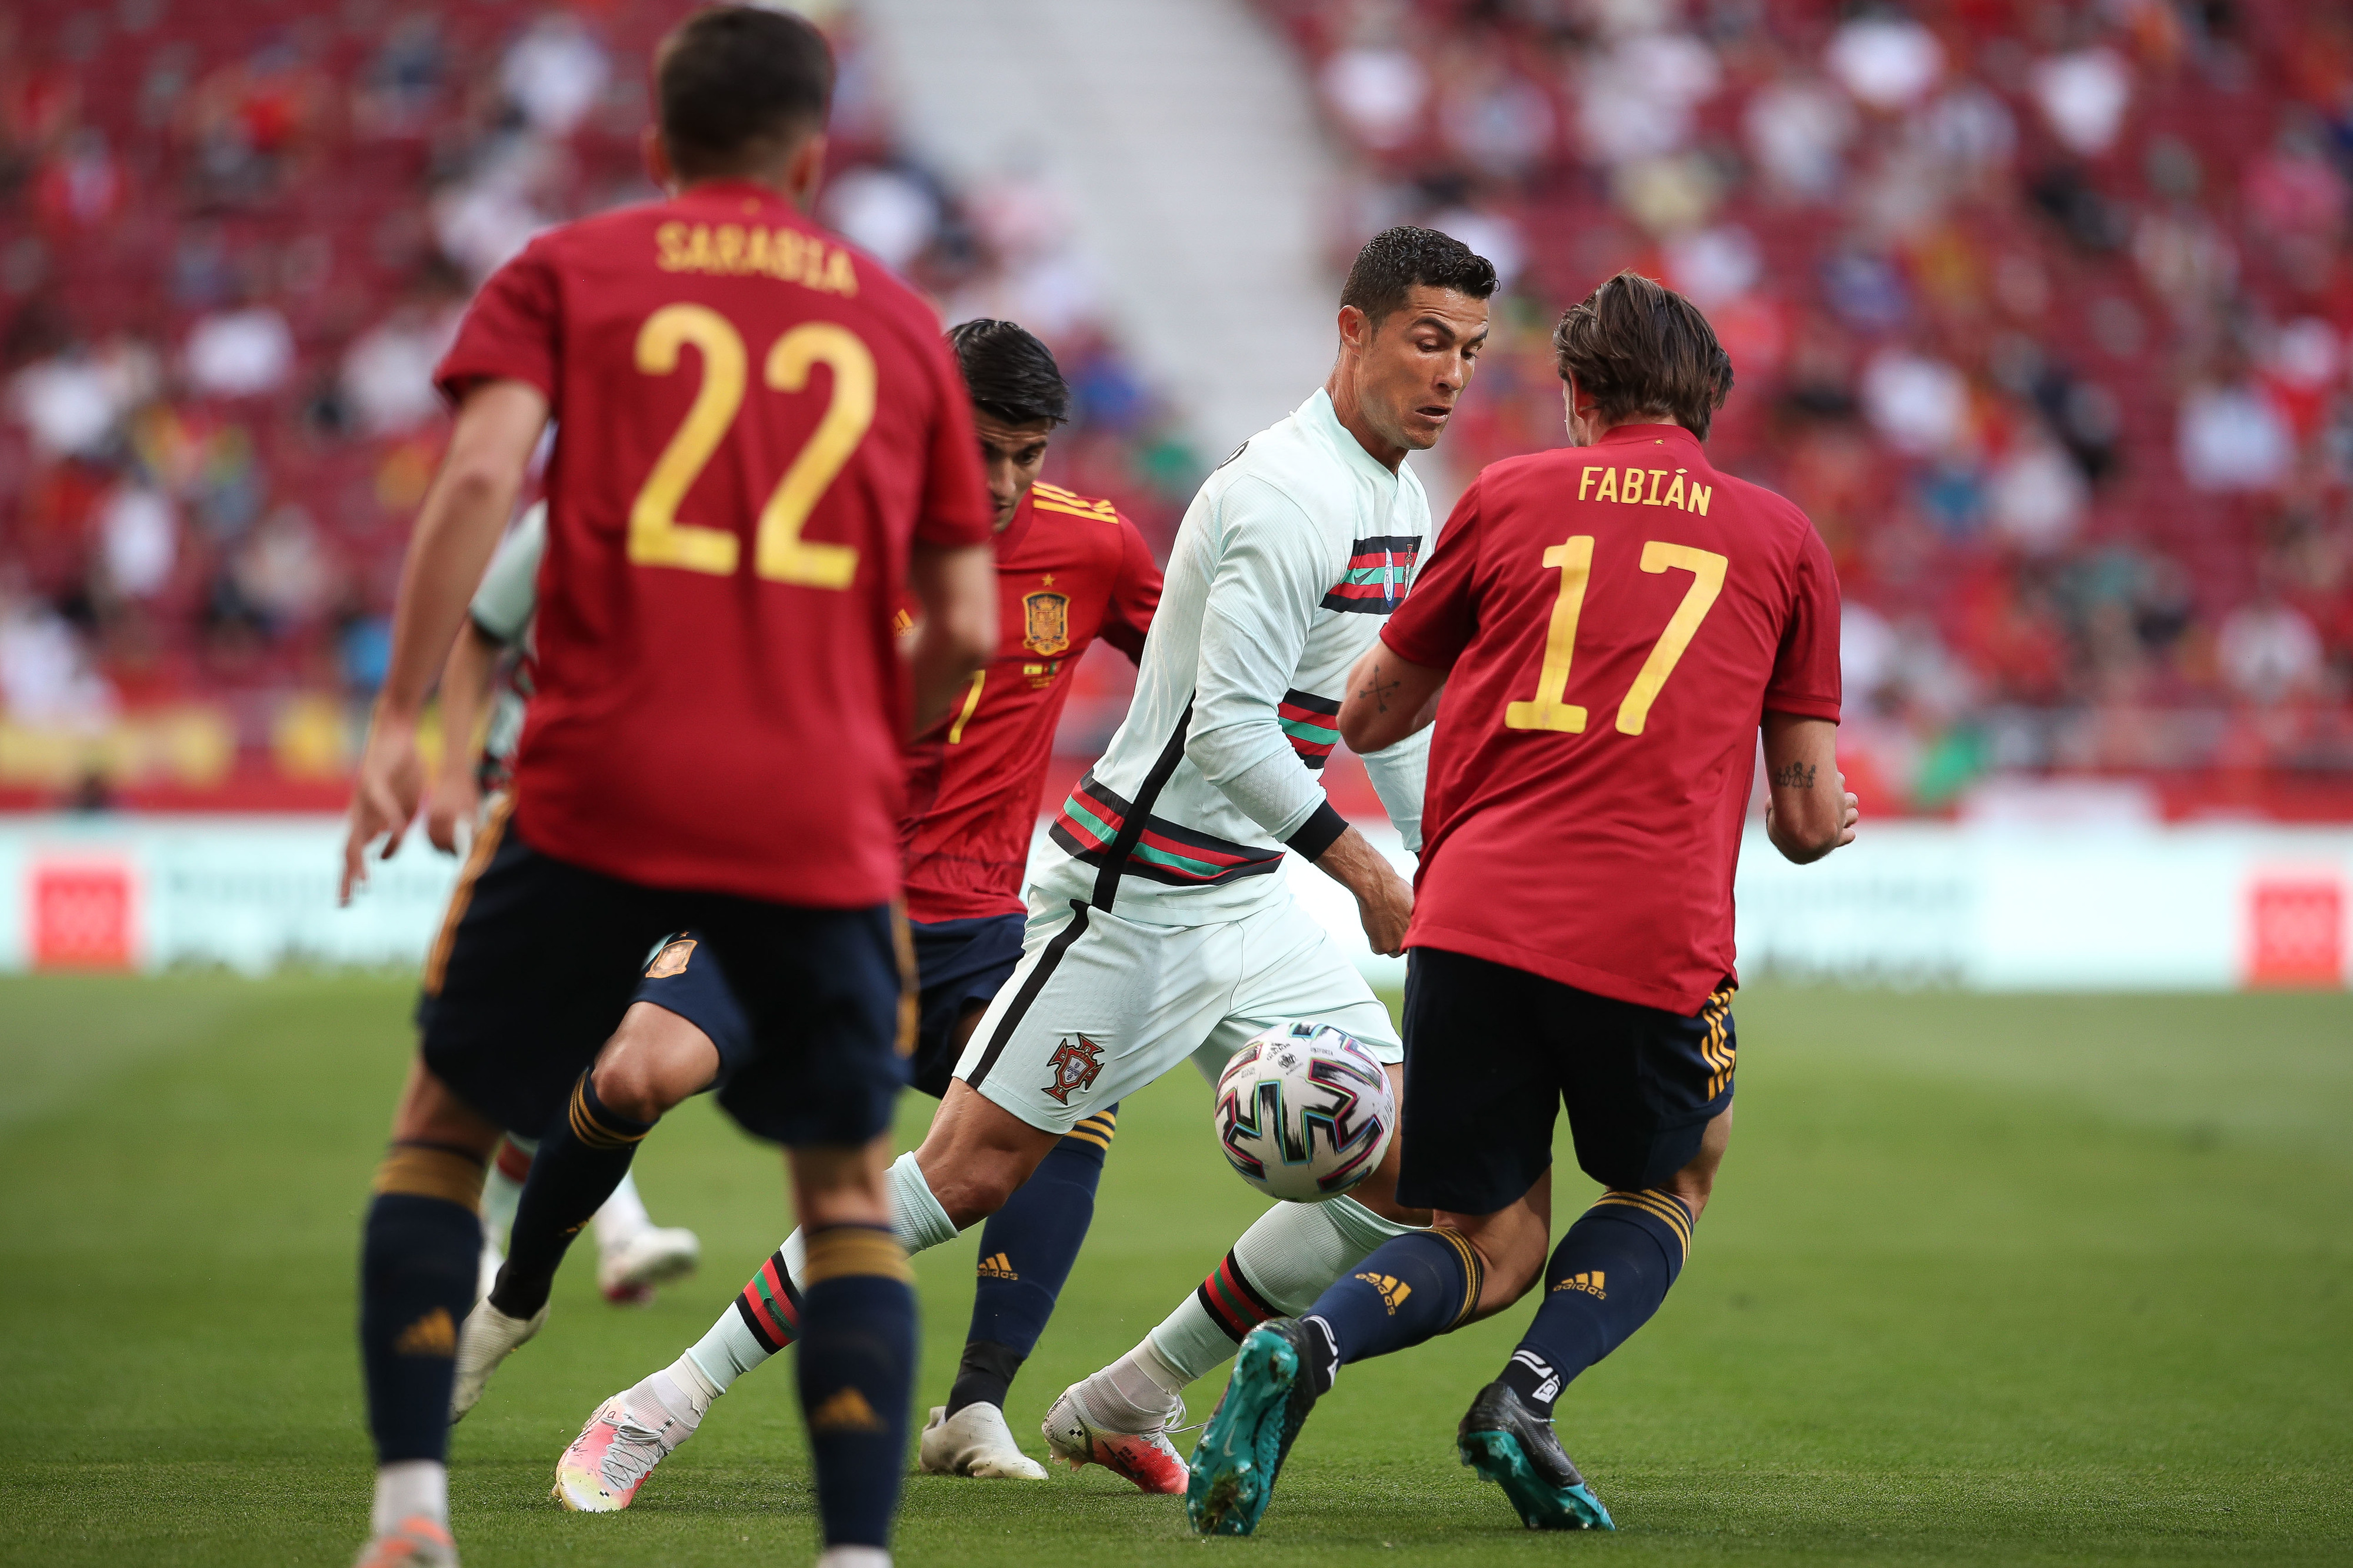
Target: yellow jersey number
<point>779,554</point>
<point>1574,559</point>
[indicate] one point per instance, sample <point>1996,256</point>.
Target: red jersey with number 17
<point>753,421</point>
<point>1069,570</point>
<point>1617,619</point>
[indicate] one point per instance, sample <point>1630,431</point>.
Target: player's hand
<point>1386,909</point>
<point>384,796</point>
<point>1849,813</point>
<point>451,809</point>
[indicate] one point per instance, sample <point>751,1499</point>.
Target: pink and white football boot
<point>629,1434</point>
<point>1074,1431</point>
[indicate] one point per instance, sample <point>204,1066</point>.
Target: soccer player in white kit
<point>1162,931</point>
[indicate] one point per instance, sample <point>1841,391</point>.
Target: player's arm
<point>466,509</point>
<point>1269,577</point>
<point>1809,812</point>
<point>466,683</point>
<point>1390,698</point>
<point>956,586</point>
<point>1134,594</point>
<point>1397,764</point>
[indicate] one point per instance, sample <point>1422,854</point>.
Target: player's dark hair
<point>739,87</point>
<point>1011,375</point>
<point>1396,259</point>
<point>1636,346</point>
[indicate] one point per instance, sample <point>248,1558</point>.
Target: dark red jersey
<point>753,421</point>
<point>1069,570</point>
<point>1618,618</point>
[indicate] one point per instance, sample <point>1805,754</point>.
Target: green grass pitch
<point>1987,1279</point>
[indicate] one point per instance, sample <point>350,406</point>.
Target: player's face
<point>1414,364</point>
<point>1011,455</point>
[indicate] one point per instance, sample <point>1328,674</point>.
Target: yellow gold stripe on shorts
<point>486,844</point>
<point>846,1249</point>
<point>429,1171</point>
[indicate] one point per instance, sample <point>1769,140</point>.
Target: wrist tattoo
<point>1794,776</point>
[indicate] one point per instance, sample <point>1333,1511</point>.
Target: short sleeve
<point>1134,594</point>
<point>1435,623</point>
<point>509,332</point>
<point>1806,670</point>
<point>503,606</point>
<point>956,510</point>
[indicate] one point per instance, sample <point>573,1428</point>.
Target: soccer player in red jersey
<point>761,441</point>
<point>1069,570</point>
<point>1613,623</point>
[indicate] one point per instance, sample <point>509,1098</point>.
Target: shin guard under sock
<point>857,1374</point>
<point>1413,1288</point>
<point>1026,1249</point>
<point>418,1261</point>
<point>580,1162</point>
<point>1606,1278</point>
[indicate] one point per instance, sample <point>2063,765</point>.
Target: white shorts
<point>1100,1006</point>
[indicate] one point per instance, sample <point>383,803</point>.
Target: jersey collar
<point>1024,514</point>
<point>1318,415</point>
<point>735,192</point>
<point>1652,435</point>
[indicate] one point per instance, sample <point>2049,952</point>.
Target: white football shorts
<point>1100,1006</point>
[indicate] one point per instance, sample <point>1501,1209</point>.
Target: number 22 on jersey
<point>1574,559</point>
<point>779,554</point>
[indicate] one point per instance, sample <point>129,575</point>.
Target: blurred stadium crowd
<point>2040,308</point>
<point>2043,310</point>
<point>235,238</point>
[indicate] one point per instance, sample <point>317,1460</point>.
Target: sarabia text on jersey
<point>1618,618</point>
<point>753,422</point>
<point>1069,570</point>
<point>1288,560</point>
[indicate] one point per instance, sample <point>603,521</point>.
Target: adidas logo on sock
<point>1393,1290</point>
<point>997,1267</point>
<point>1589,1283</point>
<point>432,1334</point>
<point>846,1411</point>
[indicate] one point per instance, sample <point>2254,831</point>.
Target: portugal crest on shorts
<point>1046,622</point>
<point>1074,1064</point>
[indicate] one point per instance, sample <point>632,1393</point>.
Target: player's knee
<point>631,1085</point>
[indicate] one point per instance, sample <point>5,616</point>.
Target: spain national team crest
<point>1075,1064</point>
<point>672,958</point>
<point>1046,622</point>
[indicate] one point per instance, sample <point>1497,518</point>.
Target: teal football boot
<point>1249,1433</point>
<point>1514,1447</point>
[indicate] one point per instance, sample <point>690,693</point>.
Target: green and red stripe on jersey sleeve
<point>1378,571</point>
<point>1093,817</point>
<point>1312,723</point>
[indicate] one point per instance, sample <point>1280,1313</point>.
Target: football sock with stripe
<point>1026,1249</point>
<point>418,1264</point>
<point>580,1161</point>
<point>1606,1278</point>
<point>1288,1257</point>
<point>765,1315</point>
<point>1413,1288</point>
<point>502,1189</point>
<point>857,1374</point>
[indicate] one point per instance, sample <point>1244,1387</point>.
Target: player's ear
<point>659,168</point>
<point>805,172</point>
<point>1356,328</point>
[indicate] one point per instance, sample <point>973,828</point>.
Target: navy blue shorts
<point>1490,1051</point>
<point>538,959</point>
<point>957,964</point>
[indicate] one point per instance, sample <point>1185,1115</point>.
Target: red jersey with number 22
<point>1617,619</point>
<point>753,421</point>
<point>1069,570</point>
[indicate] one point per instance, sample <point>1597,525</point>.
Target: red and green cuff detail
<point>1312,723</point>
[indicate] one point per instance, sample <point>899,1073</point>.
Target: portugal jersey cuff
<point>1318,833</point>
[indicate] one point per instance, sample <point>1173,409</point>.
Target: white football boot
<point>415,1541</point>
<point>975,1441</point>
<point>1076,1432</point>
<point>654,1256</point>
<point>487,1338</point>
<point>617,1448</point>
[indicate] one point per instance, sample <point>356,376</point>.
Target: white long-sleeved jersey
<point>1289,560</point>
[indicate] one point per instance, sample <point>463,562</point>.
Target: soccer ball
<point>1304,1112</point>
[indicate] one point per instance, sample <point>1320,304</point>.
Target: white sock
<point>407,1487</point>
<point>730,1350</point>
<point>500,1194</point>
<point>623,1215</point>
<point>854,1557</point>
<point>1292,1254</point>
<point>682,1389</point>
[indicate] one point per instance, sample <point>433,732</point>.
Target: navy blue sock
<point>419,1255</point>
<point>1413,1288</point>
<point>580,1162</point>
<point>1607,1278</point>
<point>1026,1252</point>
<point>858,1372</point>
